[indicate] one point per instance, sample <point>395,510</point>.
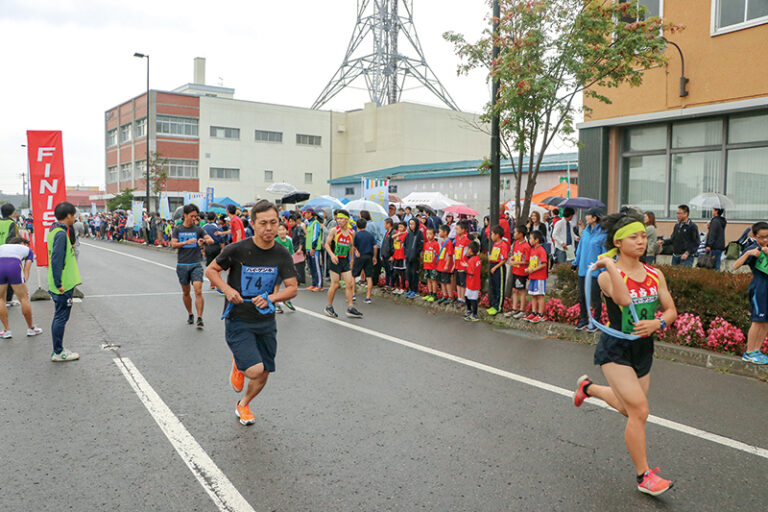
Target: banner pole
<point>39,294</point>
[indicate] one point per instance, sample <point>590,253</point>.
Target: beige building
<point>402,134</point>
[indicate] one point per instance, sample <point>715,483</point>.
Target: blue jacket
<point>591,245</point>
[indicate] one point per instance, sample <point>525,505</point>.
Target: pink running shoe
<point>653,484</point>
<point>580,395</point>
<point>530,318</point>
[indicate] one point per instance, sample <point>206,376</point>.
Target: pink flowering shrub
<point>555,310</point>
<point>725,337</point>
<point>572,314</point>
<point>688,331</point>
<point>764,348</point>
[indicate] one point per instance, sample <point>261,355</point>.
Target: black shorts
<point>189,273</point>
<point>252,343</point>
<point>339,268</point>
<point>461,278</point>
<point>363,264</point>
<point>520,282</point>
<point>637,354</point>
<point>444,277</point>
<point>430,274</point>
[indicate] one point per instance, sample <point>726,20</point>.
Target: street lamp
<point>146,134</point>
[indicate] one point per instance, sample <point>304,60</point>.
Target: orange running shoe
<point>653,484</point>
<point>244,413</point>
<point>236,377</point>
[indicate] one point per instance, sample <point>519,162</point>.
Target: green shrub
<point>567,287</point>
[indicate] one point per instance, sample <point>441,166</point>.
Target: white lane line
<point>148,294</point>
<point>145,260</point>
<point>673,425</point>
<point>224,495</point>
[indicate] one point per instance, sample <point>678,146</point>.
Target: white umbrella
<point>435,200</point>
<point>281,189</point>
<point>709,200</point>
<point>375,209</point>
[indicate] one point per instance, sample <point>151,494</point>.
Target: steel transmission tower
<point>384,68</point>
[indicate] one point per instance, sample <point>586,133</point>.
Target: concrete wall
<point>403,134</point>
<point>287,160</point>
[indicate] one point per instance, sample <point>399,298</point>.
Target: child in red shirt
<point>431,252</point>
<point>460,258</point>
<point>398,259</point>
<point>445,263</point>
<point>472,293</point>
<point>521,252</point>
<point>497,258</point>
<point>537,275</point>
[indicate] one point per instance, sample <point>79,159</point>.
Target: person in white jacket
<point>563,237</point>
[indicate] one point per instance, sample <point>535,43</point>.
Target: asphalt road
<point>351,420</point>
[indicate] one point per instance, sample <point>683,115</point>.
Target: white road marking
<point>224,495</point>
<point>135,257</point>
<point>148,294</point>
<point>673,425</point>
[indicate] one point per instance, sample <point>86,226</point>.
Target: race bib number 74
<point>255,281</point>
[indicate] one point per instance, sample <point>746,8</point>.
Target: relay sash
<point>607,330</point>
<point>264,311</point>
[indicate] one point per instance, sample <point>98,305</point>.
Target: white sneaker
<point>64,356</point>
<point>34,331</point>
<point>13,303</point>
<point>6,335</point>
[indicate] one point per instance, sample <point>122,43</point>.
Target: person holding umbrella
<point>715,244</point>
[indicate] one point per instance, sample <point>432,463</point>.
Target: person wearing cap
<point>591,245</point>
<point>393,214</point>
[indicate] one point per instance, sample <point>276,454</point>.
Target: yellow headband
<point>622,233</point>
<point>343,216</point>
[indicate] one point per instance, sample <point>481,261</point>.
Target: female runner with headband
<point>632,292</point>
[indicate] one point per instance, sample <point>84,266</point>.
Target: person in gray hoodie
<point>715,244</point>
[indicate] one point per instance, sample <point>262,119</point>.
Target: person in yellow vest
<point>63,276</point>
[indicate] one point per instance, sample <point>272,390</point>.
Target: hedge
<point>706,293</point>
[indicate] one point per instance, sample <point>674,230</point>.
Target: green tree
<point>158,172</point>
<point>121,200</point>
<point>551,52</point>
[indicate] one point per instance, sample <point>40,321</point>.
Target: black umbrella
<point>217,205</point>
<point>295,197</point>
<point>553,200</point>
<point>178,213</point>
<point>249,205</point>
<point>426,208</point>
<point>119,210</point>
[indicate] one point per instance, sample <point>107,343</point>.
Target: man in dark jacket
<point>414,244</point>
<point>685,238</point>
<point>715,244</point>
<point>386,252</point>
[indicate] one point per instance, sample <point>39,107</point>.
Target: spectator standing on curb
<point>63,276</point>
<point>562,235</point>
<point>386,253</point>
<point>521,252</point>
<point>414,245</point>
<point>445,264</point>
<point>314,247</point>
<point>497,260</point>
<point>649,219</point>
<point>591,246</point>
<point>756,256</point>
<point>715,244</point>
<point>685,238</point>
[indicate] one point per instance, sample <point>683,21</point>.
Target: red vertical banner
<point>46,184</point>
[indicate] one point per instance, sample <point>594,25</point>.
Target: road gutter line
<point>224,495</point>
<point>672,425</point>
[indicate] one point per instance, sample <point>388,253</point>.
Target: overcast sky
<point>65,62</point>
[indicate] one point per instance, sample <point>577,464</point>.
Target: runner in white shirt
<point>15,261</point>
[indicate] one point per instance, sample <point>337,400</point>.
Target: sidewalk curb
<point>676,353</point>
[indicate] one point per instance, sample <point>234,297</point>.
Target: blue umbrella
<point>581,203</point>
<point>343,200</point>
<point>323,202</point>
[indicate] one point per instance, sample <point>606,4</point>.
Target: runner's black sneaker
<point>191,319</point>
<point>330,312</point>
<point>200,323</point>
<point>354,313</point>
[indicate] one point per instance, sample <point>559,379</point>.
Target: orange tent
<point>560,190</point>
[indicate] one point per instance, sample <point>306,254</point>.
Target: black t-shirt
<point>189,254</point>
<point>252,272</point>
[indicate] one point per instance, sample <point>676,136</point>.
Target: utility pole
<point>495,141</point>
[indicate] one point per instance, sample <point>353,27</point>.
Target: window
<point>307,177</point>
<point>112,174</point>
<point>665,165</point>
<point>349,191</point>
<point>141,127</point>
<point>221,132</point>
<point>224,173</point>
<point>179,126</point>
<point>125,172</point>
<point>730,15</point>
<point>308,140</point>
<point>140,169</point>
<point>182,168</point>
<point>393,189</point>
<point>111,137</point>
<point>265,136</point>
<point>268,175</point>
<point>125,133</point>
<point>653,8</point>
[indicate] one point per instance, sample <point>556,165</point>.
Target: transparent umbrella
<point>281,189</point>
<point>709,200</point>
<point>357,205</point>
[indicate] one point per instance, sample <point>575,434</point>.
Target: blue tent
<point>226,201</point>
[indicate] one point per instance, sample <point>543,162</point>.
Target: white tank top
<point>17,251</point>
